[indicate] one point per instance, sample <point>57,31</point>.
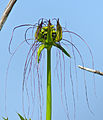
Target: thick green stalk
<point>49,96</point>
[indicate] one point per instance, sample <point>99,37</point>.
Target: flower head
<point>49,36</point>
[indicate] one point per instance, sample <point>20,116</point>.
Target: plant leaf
<point>21,117</point>
<point>5,118</point>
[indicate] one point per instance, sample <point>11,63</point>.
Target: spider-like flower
<point>47,35</point>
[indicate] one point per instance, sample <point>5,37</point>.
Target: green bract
<point>49,36</point>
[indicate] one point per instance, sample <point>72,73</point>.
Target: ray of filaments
<point>6,12</point>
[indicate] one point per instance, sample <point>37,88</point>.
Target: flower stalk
<point>49,93</point>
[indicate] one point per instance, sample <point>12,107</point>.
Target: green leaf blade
<point>21,117</point>
<point>5,118</point>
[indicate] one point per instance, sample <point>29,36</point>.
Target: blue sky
<point>82,17</point>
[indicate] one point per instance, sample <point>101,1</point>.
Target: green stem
<point>49,96</point>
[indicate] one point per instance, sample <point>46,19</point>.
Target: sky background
<point>82,17</point>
